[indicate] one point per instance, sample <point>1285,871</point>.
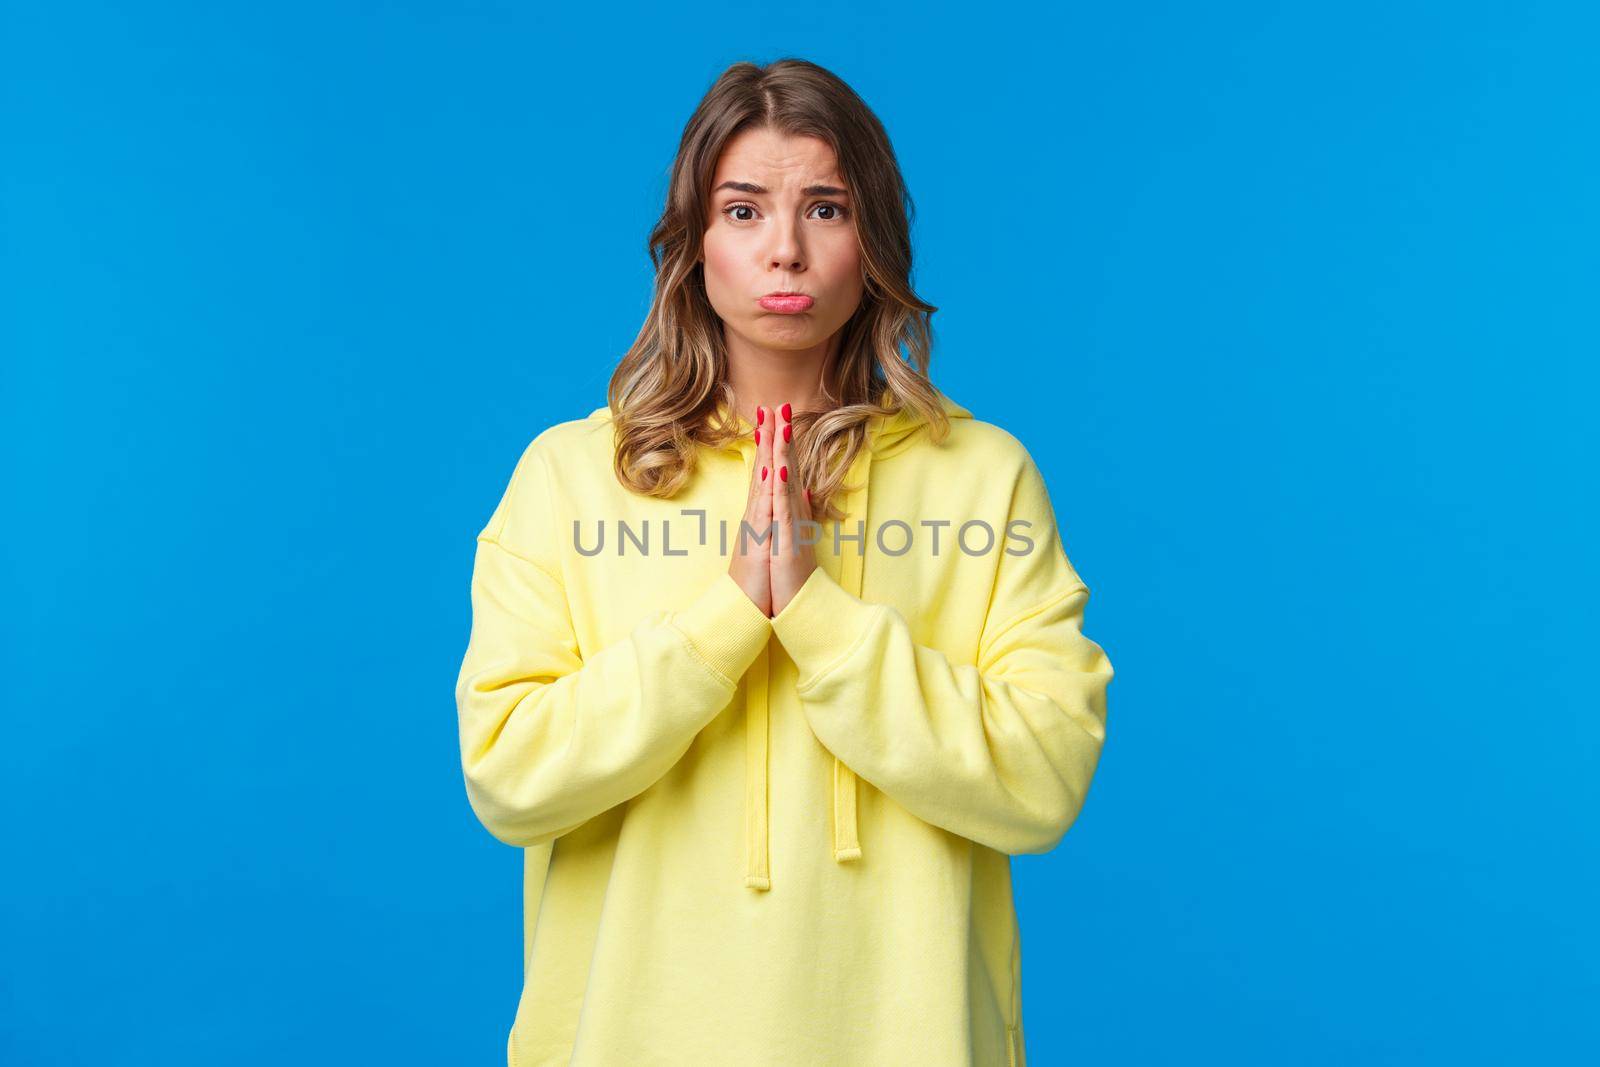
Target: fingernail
<point>783,473</point>
<point>808,496</point>
<point>787,432</point>
<point>763,474</point>
<point>761,415</point>
<point>786,413</point>
<point>758,435</point>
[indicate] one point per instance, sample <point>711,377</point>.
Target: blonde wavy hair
<point>666,391</point>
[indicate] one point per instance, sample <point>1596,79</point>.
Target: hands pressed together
<point>771,569</point>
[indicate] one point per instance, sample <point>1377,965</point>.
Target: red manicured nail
<point>788,432</point>
<point>808,496</point>
<point>785,410</point>
<point>758,435</point>
<point>763,474</point>
<point>761,416</point>
<point>783,472</point>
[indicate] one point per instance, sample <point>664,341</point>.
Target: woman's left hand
<point>791,557</point>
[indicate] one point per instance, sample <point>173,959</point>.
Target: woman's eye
<point>732,211</point>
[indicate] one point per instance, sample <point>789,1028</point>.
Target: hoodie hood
<point>887,435</point>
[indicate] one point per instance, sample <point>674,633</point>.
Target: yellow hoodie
<point>773,841</point>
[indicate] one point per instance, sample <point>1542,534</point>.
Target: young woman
<point>777,659</point>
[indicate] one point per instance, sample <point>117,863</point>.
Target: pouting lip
<point>783,292</point>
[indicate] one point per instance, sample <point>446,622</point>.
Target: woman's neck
<point>772,378</point>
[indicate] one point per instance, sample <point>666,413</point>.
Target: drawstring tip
<point>846,843</point>
<point>756,881</point>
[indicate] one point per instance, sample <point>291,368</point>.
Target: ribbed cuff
<point>725,627</point>
<point>819,626</point>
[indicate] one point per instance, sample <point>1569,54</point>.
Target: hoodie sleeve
<point>1001,751</point>
<point>550,738</point>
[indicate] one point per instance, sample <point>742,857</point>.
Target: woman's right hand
<point>750,566</point>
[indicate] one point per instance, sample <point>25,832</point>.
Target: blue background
<point>1295,308</point>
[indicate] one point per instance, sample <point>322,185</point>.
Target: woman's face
<point>781,220</point>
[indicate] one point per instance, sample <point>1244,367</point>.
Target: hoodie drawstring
<point>757,875</point>
<point>846,840</point>
<point>852,569</point>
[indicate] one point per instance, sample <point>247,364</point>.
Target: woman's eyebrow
<point>753,188</point>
